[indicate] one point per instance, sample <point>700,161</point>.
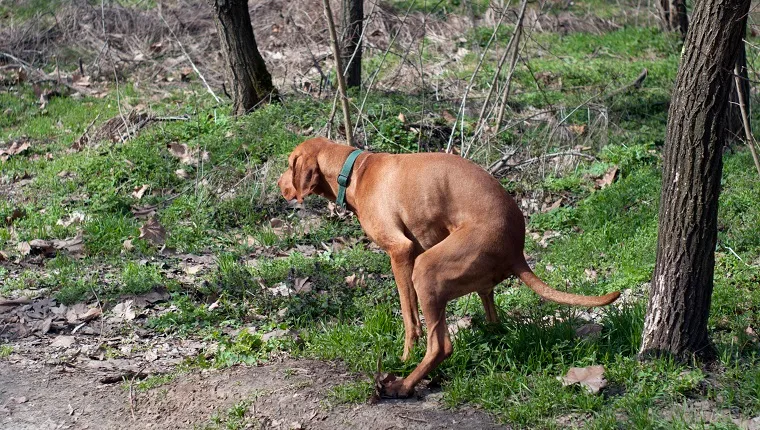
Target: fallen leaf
<point>16,148</point>
<point>142,212</point>
<point>547,236</point>
<point>459,324</point>
<point>213,306</point>
<point>591,274</point>
<point>3,256</point>
<point>750,332</point>
<point>402,118</point>
<point>123,311</point>
<point>280,290</point>
<point>74,246</point>
<point>355,281</point>
<point>153,232</point>
<point>43,247</point>
<point>185,155</point>
<point>608,178</point>
<point>181,173</point>
<point>193,270</point>
<point>73,218</point>
<point>591,377</point>
<point>138,192</point>
<point>80,312</point>
<point>63,342</point>
<point>17,213</point>
<point>302,285</point>
<point>24,248</point>
<point>553,206</point>
<point>588,330</point>
<point>577,129</point>
<point>128,245</point>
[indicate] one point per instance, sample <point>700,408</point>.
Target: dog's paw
<point>393,388</point>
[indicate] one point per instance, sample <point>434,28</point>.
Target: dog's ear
<point>306,176</point>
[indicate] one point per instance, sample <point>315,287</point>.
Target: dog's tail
<point>542,289</point>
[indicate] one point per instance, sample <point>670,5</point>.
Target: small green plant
<point>5,350</point>
<point>139,279</point>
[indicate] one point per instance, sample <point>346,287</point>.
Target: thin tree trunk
<point>247,76</point>
<point>734,121</point>
<point>351,54</point>
<point>682,284</point>
<point>338,72</point>
<point>673,16</point>
<point>515,42</point>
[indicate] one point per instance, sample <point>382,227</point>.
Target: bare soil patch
<point>290,394</point>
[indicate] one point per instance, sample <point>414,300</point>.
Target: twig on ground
<point>501,164</point>
<point>182,47</point>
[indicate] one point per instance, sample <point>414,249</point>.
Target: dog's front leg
<point>402,263</point>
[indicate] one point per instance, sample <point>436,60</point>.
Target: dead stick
<point>339,72</point>
<point>512,63</point>
<point>495,80</point>
<point>745,118</point>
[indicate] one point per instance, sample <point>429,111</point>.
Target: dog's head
<point>303,175</point>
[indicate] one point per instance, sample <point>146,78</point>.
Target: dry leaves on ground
<point>589,330</point>
<point>185,155</point>
<point>355,280</point>
<point>17,213</point>
<point>138,192</point>
<point>16,148</point>
<point>608,178</point>
<point>591,377</point>
<point>153,232</point>
<point>73,218</point>
<point>74,246</point>
<point>123,311</point>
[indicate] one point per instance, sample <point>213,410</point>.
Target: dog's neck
<point>331,160</point>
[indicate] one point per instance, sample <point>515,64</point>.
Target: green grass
<point>509,369</point>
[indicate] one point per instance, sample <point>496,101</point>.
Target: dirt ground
<point>287,395</point>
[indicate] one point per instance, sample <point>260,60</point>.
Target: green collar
<point>345,176</point>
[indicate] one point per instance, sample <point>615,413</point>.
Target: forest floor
<point>152,277</point>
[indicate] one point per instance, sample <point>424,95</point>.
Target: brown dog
<point>449,227</point>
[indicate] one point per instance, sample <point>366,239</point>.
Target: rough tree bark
<point>353,20</point>
<point>679,299</point>
<point>734,121</point>
<point>247,76</point>
<point>674,17</point>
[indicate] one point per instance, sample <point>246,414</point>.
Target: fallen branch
<point>501,164</point>
<point>44,76</point>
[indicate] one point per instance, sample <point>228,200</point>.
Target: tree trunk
<point>734,121</point>
<point>679,299</point>
<point>249,81</point>
<point>673,16</point>
<point>351,54</point>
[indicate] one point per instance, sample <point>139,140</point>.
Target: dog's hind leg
<point>452,268</point>
<point>402,262</point>
<point>489,305</point>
